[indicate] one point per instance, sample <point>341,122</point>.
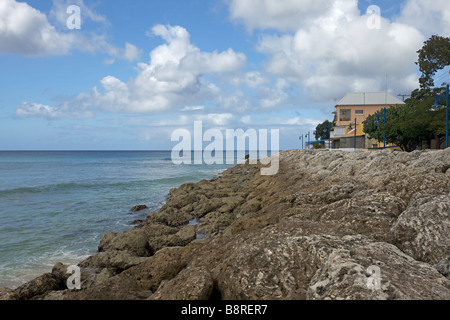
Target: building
<point>358,106</point>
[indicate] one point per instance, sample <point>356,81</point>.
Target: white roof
<point>369,98</point>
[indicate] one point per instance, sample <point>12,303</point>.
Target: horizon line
<point>123,150</point>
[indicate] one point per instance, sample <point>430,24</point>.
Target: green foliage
<point>434,56</point>
<point>322,130</point>
<point>318,145</point>
<point>407,126</point>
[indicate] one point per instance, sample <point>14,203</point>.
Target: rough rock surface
<point>443,267</point>
<point>422,230</point>
<point>189,284</point>
<point>316,230</point>
<point>138,207</point>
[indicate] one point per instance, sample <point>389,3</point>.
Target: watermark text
<point>230,146</point>
<point>74,20</point>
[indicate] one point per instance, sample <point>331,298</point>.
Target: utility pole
<point>403,96</point>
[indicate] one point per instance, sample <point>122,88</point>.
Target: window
<point>345,114</point>
<point>359,112</point>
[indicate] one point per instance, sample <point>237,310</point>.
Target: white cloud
<point>246,120</point>
<point>35,109</point>
<point>25,30</point>
<point>27,109</point>
<point>173,79</point>
<point>274,97</point>
<point>253,79</point>
<point>59,12</point>
<point>216,119</point>
<point>131,52</point>
<point>182,120</point>
<point>297,121</point>
<point>337,53</point>
<point>429,16</point>
<point>284,15</point>
<point>193,108</point>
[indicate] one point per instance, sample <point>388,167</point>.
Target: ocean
<point>56,205</point>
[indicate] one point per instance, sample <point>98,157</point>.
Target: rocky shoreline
<point>310,232</point>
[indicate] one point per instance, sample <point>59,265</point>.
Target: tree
<point>323,130</point>
<point>434,56</point>
<point>407,126</point>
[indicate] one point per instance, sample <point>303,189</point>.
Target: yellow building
<point>356,107</point>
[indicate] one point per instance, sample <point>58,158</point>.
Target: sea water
<point>55,206</point>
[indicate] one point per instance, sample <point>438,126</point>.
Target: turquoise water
<point>55,206</point>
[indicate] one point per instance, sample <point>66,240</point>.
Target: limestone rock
<point>118,260</point>
<point>318,229</point>
<point>139,207</point>
<point>134,241</point>
<point>348,274</point>
<point>189,284</point>
<point>7,294</point>
<point>423,229</point>
<point>37,287</point>
<point>135,283</point>
<point>443,267</point>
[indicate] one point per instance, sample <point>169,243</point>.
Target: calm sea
<point>55,206</point>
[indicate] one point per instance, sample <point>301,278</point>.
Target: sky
<point>127,74</point>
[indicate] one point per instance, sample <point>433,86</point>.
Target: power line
<point>442,77</point>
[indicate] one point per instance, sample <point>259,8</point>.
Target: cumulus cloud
<point>320,51</point>
<point>174,79</point>
<point>252,79</point>
<point>429,16</point>
<point>27,109</point>
<point>281,14</point>
<point>333,51</point>
<point>25,30</point>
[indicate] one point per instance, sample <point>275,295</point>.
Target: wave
<point>18,272</point>
<point>59,187</point>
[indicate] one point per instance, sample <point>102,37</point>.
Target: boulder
<point>423,229</point>
<point>133,241</point>
<point>139,207</point>
<point>182,237</point>
<point>135,283</point>
<point>443,267</point>
<point>329,225</point>
<point>37,287</point>
<point>118,260</point>
<point>273,266</point>
<point>59,270</point>
<point>189,284</point>
<point>7,294</point>
<point>98,278</point>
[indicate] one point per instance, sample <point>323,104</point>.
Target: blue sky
<point>138,70</point>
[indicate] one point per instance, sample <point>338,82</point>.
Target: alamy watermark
<point>74,281</point>
<point>374,19</point>
<point>374,280</point>
<point>74,20</point>
<point>191,151</point>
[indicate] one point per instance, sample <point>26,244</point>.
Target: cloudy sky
<point>135,71</point>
